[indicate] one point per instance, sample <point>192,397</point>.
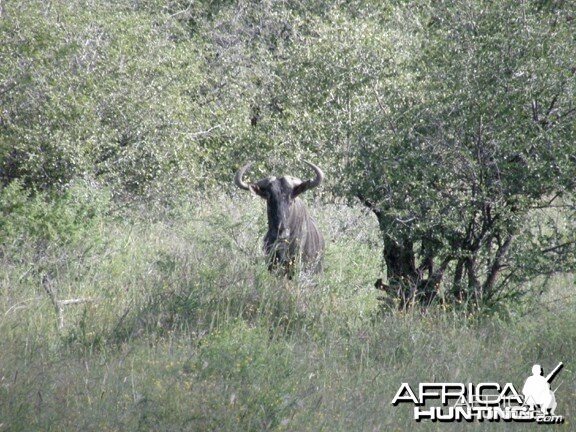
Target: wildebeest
<point>292,233</point>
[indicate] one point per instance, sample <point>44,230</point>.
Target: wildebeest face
<point>279,193</point>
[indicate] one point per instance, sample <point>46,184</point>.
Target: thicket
<point>454,122</point>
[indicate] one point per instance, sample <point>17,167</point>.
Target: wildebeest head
<point>291,231</point>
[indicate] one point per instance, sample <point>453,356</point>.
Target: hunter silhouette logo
<point>485,401</point>
<point>537,390</point>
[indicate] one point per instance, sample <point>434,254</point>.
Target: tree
<point>466,143</point>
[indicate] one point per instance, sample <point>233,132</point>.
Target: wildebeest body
<point>304,243</point>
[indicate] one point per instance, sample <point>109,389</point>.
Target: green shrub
<point>50,218</point>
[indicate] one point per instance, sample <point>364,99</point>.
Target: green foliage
<point>55,219</point>
<point>103,92</point>
<point>451,121</point>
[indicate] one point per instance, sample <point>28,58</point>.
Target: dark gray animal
<point>292,233</point>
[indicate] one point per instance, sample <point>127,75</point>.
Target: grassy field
<point>180,327</point>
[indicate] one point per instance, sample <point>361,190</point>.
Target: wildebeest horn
<point>319,175</point>
<point>238,177</point>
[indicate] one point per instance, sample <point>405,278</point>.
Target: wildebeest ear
<point>302,187</point>
<point>309,184</point>
<point>255,189</point>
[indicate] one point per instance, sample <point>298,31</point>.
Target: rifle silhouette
<point>554,372</point>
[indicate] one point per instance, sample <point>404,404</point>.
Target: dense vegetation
<point>133,295</point>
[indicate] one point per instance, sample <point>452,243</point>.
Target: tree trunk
<point>405,279</point>
<point>400,260</point>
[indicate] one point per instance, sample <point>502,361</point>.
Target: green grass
<point>186,330</point>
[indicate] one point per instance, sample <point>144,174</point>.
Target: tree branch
<point>555,248</point>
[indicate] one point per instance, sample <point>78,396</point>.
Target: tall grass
<point>180,327</point>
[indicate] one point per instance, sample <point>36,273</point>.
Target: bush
<point>50,217</point>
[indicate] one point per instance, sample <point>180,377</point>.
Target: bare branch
<point>76,301</point>
<point>557,247</point>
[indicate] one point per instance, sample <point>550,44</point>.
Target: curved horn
<point>238,177</point>
<point>319,175</point>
